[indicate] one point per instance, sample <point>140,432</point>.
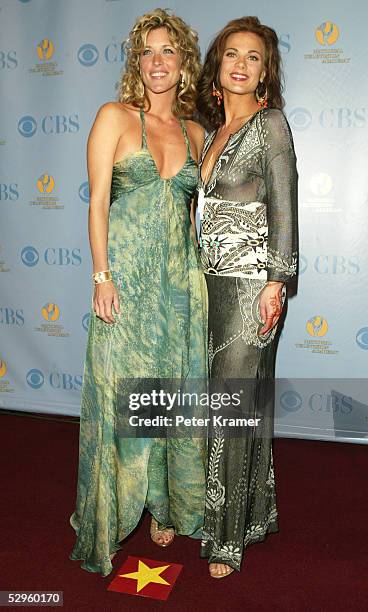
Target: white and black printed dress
<point>248,235</point>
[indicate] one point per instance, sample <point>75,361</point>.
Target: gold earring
<point>261,97</point>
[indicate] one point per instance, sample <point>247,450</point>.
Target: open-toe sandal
<point>157,534</point>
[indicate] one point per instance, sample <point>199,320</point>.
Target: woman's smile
<point>238,76</point>
<point>158,74</point>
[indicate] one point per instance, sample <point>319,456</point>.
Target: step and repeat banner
<point>59,61</point>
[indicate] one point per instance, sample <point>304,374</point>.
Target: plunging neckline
<point>221,153</point>
<point>144,147</point>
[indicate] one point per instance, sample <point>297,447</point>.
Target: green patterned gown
<point>159,333</point>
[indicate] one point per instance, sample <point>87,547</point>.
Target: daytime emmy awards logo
<point>45,49</point>
<point>317,326</point>
<point>320,184</point>
<point>46,183</point>
<point>5,386</point>
<point>50,312</point>
<point>327,33</point>
<point>45,52</point>
<point>320,196</point>
<point>3,368</point>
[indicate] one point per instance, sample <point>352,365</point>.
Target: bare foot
<point>161,537</point>
<point>220,570</point>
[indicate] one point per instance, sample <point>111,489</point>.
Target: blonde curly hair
<point>184,39</point>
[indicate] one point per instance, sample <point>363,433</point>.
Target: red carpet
<point>317,562</point>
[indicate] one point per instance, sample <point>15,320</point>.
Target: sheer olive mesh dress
<point>248,212</point>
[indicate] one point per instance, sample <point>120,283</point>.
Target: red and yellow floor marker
<point>146,577</point>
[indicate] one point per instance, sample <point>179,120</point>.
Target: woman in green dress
<point>149,317</point>
<point>248,208</point>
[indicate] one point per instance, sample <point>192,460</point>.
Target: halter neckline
<point>145,146</point>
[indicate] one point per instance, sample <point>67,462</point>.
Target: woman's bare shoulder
<point>115,113</point>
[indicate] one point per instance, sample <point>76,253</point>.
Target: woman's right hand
<point>104,298</point>
<point>270,305</point>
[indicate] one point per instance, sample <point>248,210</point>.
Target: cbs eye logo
<point>27,126</point>
<point>46,183</point>
<point>45,49</point>
<point>84,192</point>
<point>291,401</point>
<point>303,264</point>
<point>300,118</point>
<point>85,321</point>
<point>362,338</point>
<point>35,378</point>
<point>29,256</point>
<point>88,55</point>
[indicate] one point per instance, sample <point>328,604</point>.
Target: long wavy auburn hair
<point>210,113</point>
<point>184,39</point>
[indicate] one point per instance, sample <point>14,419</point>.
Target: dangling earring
<point>182,81</point>
<point>261,97</point>
<point>216,93</point>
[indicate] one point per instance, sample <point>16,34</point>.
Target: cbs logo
<point>84,192</point>
<point>88,54</point>
<point>362,338</point>
<point>50,124</point>
<point>52,256</point>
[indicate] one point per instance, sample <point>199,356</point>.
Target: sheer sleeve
<point>282,196</point>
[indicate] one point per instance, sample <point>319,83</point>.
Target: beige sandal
<point>156,533</point>
<point>221,575</point>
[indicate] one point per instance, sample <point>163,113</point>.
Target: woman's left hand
<point>270,305</point>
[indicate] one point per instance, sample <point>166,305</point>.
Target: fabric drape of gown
<point>160,333</point>
<point>248,235</point>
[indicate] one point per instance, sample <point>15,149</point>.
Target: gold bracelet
<point>101,277</point>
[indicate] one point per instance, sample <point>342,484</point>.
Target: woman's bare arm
<point>102,144</point>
